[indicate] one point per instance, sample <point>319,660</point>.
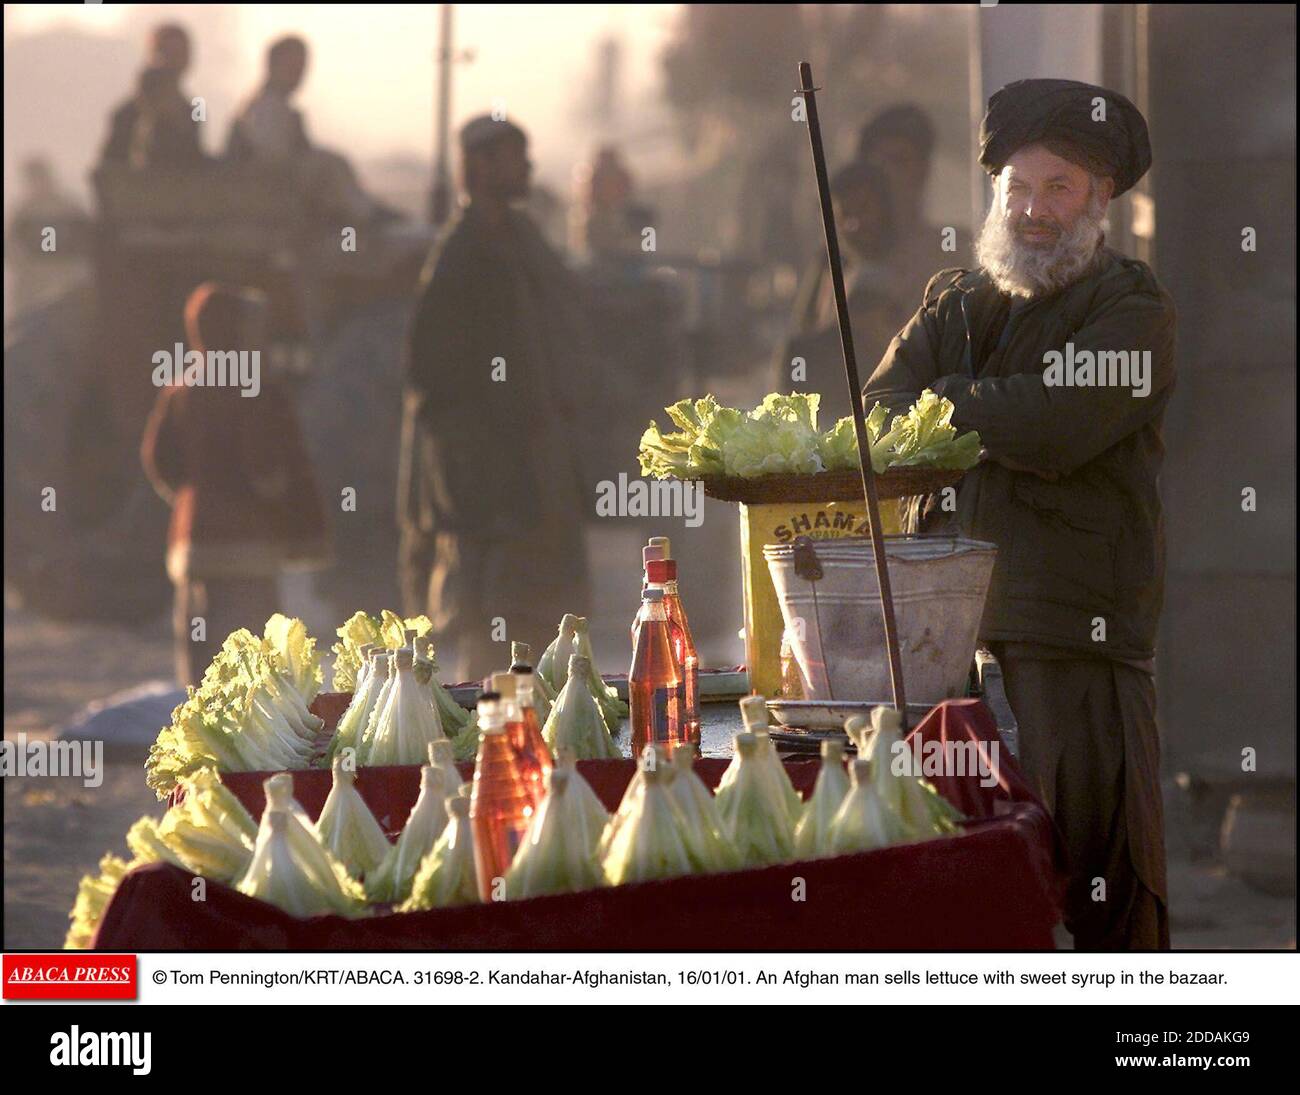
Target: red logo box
<point>69,976</point>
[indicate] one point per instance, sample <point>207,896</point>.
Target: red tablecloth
<point>995,886</point>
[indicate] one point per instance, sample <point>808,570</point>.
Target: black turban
<point>1029,111</point>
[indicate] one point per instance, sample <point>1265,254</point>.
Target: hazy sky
<point>372,66</point>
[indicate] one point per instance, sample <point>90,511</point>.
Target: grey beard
<point>1024,271</point>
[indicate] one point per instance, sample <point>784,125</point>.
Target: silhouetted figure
<point>169,52</point>
<point>235,471</point>
<point>604,218</point>
<point>164,135</point>
<point>268,130</point>
<point>900,142</point>
<point>267,127</point>
<point>490,497</point>
<point>863,216</point>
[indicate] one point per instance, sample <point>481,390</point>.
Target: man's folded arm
<point>909,366</point>
<point>1055,427</point>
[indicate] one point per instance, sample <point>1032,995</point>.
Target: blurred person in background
<point>235,471</point>
<point>270,131</point>
<point>164,132</point>
<point>267,126</point>
<point>603,217</point>
<point>498,394</point>
<point>168,52</point>
<point>863,216</point>
<point>900,142</point>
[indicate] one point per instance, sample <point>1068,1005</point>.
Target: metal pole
<point>440,194</point>
<point>808,91</point>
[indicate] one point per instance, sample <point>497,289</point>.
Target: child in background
<point>235,471</point>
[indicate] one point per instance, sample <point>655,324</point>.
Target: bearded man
<point>1067,488</point>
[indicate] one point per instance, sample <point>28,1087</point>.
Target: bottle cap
<point>441,753</point>
<point>651,553</point>
<point>660,571</point>
<point>504,683</point>
<point>404,658</point>
<point>522,669</point>
<point>663,544</point>
<point>753,709</point>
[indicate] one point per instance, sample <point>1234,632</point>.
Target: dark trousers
<point>223,605</point>
<point>484,593</point>
<point>1089,746</point>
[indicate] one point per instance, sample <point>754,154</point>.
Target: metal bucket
<point>830,601</point>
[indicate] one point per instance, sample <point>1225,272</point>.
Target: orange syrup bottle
<point>656,695</point>
<point>663,573</point>
<point>500,806</point>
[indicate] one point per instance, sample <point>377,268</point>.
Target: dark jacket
<point>172,144</point>
<point>485,456</point>
<point>1088,540</point>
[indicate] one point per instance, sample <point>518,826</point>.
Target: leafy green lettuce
<point>780,435</point>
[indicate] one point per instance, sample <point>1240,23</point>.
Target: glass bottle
<point>532,741</point>
<point>663,573</point>
<point>500,807</point>
<point>527,761</point>
<point>656,549</point>
<point>656,694</point>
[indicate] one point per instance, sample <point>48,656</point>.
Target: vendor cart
<point>993,886</point>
